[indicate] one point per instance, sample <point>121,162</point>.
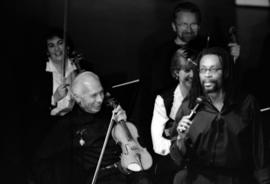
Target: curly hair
<point>58,32</point>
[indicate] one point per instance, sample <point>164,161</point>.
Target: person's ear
<point>176,74</point>
<point>76,97</point>
<point>173,26</point>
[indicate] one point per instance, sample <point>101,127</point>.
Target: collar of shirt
<point>57,77</point>
<point>229,103</point>
<point>50,67</point>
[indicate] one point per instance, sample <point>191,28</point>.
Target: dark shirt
<point>82,126</point>
<point>229,142</point>
<point>63,159</point>
<point>92,129</point>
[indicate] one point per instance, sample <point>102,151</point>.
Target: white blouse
<point>161,145</point>
<point>64,103</point>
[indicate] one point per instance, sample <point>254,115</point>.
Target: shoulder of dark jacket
<point>168,97</point>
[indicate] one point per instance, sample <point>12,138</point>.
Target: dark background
<point>111,34</point>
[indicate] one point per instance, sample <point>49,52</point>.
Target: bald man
<point>88,92</point>
<point>71,152</point>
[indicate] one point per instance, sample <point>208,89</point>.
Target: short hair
<point>187,7</point>
<point>80,79</point>
<point>176,65</point>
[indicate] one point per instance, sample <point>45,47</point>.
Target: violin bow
<point>65,37</point>
<point>102,151</point>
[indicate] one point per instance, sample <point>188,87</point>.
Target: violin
<point>134,157</point>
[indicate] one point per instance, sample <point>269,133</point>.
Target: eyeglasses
<point>210,70</point>
<point>185,26</point>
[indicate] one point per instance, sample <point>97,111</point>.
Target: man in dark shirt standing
<point>70,153</point>
<point>223,143</point>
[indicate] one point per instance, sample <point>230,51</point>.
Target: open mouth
<point>208,84</point>
<point>189,80</point>
<point>58,54</point>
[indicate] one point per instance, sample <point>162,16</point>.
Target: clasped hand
<point>184,125</point>
<point>61,91</point>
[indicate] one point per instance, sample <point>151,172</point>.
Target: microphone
<point>232,34</point>
<point>193,112</point>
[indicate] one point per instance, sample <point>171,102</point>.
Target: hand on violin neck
<point>60,92</point>
<point>119,114</point>
<point>234,50</point>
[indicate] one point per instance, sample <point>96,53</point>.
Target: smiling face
<point>88,92</point>
<point>55,48</point>
<point>185,74</point>
<point>186,26</point>
<point>92,97</point>
<point>210,73</point>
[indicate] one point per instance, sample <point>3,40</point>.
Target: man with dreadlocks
<point>223,143</point>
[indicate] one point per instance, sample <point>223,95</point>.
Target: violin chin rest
<point>134,167</point>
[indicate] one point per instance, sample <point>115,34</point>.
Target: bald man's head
<point>83,81</point>
<point>88,92</point>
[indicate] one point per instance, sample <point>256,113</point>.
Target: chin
<point>59,58</point>
<point>96,110</point>
<point>188,38</point>
<point>92,110</point>
<point>209,90</point>
<point>189,84</point>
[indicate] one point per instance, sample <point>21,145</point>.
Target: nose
<point>188,28</point>
<point>57,48</point>
<point>208,73</point>
<point>100,98</point>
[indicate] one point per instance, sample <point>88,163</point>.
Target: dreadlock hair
<point>228,78</point>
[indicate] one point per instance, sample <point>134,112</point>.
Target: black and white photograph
<point>136,92</point>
